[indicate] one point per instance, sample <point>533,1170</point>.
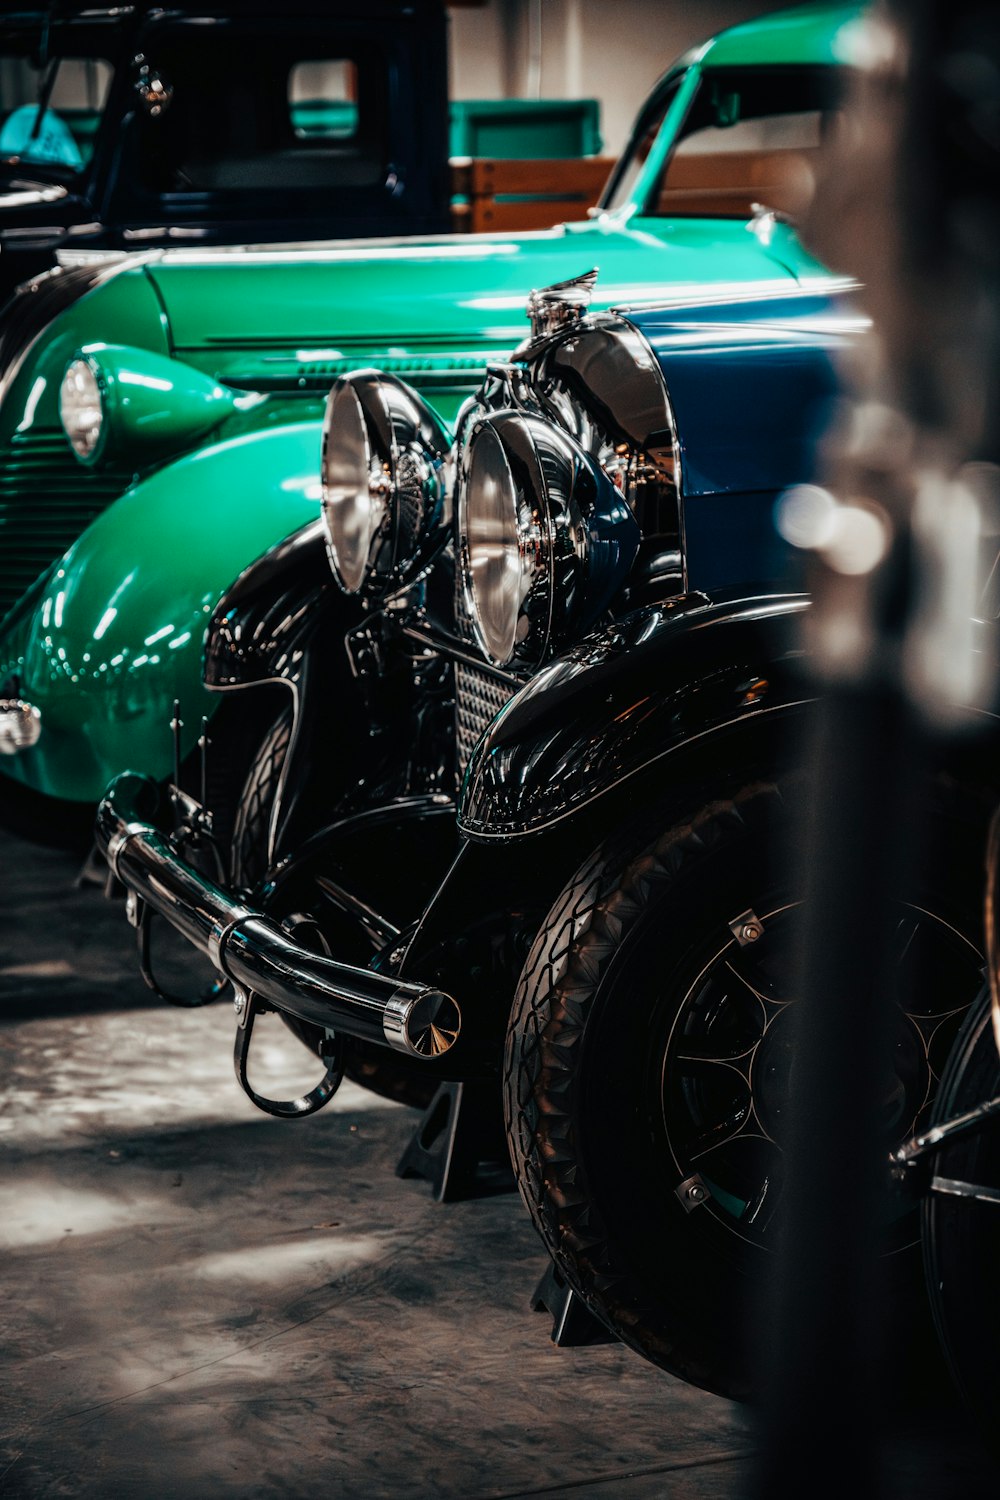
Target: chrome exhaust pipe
<point>254,951</point>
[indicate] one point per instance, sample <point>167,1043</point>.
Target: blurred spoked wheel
<point>650,1065</point>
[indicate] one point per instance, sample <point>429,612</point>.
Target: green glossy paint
<point>801,34</point>
<point>283,325</point>
<point>153,405</point>
<point>116,634</point>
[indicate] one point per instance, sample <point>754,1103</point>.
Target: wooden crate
<point>524,194</point>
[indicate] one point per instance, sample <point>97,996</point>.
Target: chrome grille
<point>479,697</point>
<point>47,498</point>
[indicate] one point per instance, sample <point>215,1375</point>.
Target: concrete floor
<point>198,1301</point>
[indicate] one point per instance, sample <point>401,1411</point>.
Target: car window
<point>751,138</point>
<point>636,153</point>
<point>323,99</point>
<point>250,112</point>
<point>50,110</point>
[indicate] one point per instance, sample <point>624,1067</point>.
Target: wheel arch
<point>608,720</point>
<point>116,634</point>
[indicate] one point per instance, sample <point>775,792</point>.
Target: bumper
<point>20,726</point>
<point>255,952</point>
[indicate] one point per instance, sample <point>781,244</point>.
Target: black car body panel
<point>625,698</point>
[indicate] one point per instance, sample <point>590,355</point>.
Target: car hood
<point>247,317</point>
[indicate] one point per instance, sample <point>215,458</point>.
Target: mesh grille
<point>47,498</point>
<point>478,699</point>
<point>479,696</point>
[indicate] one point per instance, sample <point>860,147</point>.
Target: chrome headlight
<point>139,405</point>
<point>81,408</point>
<point>543,534</point>
<point>385,493</point>
<point>602,383</point>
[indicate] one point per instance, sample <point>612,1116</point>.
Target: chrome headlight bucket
<point>385,492</point>
<point>601,381</point>
<point>538,525</point>
<point>137,405</point>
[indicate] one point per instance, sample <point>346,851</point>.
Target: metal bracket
<point>692,1193</point>
<point>911,1165</point>
<point>747,928</point>
<point>140,916</point>
<point>248,1008</point>
<point>364,652</point>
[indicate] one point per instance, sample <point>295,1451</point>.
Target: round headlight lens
<point>355,494</point>
<point>499,571</point>
<point>81,408</point>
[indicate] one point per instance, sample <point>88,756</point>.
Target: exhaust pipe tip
<point>427,1025</point>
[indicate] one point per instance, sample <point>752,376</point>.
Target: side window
<point>63,134</point>
<point>750,140</point>
<point>256,112</point>
<point>323,100</point>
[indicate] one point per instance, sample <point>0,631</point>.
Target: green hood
<point>246,320</point>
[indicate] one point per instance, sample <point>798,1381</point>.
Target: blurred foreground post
<point>910,204</point>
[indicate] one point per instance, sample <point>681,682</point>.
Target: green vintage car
<point>160,414</point>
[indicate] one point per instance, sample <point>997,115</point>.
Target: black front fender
<point>261,626</point>
<point>626,698</point>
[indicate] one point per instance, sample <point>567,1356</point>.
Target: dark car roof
<point>80,10</point>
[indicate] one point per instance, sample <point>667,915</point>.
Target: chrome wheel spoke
<point>721,1133</point>
<point>752,977</point>
<point>702,1050</point>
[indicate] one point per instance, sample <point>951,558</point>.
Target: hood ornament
<point>557,306</point>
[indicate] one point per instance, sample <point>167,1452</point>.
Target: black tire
<point>252,815</point>
<point>382,1073</point>
<point>962,1235</point>
<point>643,1103</point>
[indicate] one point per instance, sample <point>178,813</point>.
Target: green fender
<point>114,634</point>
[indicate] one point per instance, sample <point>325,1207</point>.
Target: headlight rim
<point>559,539</point>
<point>490,428</point>
<point>334,553</point>
<point>400,431</point>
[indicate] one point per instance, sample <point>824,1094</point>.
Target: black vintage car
<point>128,127</point>
<point>514,815</point>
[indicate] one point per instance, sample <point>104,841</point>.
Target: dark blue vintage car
<point>494,822</point>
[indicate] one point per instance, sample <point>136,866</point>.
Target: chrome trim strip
<point>950,1187</point>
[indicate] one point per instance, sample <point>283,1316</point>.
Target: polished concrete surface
<point>199,1301</point>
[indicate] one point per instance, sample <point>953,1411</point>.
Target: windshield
<point>51,103</point>
<point>749,140</point>
<point>634,157</point>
